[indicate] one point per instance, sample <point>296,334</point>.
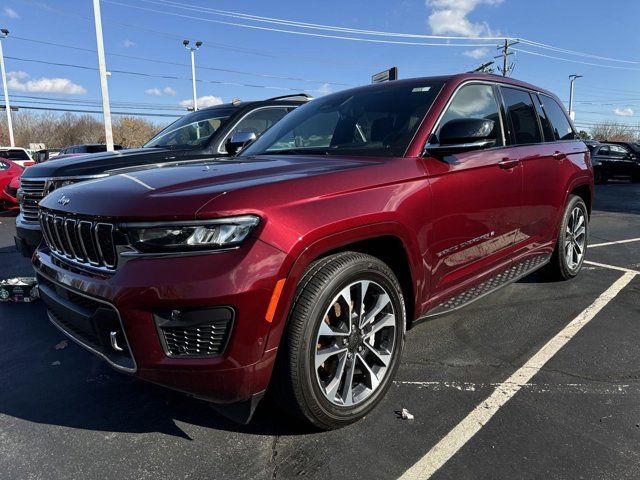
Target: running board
<point>510,275</point>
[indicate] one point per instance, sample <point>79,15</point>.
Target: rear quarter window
<point>562,129</point>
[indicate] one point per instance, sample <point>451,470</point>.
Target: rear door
<point>548,165</point>
<point>476,198</point>
<point>622,160</point>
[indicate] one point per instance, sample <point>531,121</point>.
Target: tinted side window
<point>522,116</point>
<point>561,126</point>
<point>547,129</point>
<point>475,101</point>
<point>604,150</point>
<point>618,151</point>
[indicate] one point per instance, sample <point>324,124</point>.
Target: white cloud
<point>476,53</point>
<point>128,43</point>
<point>206,101</point>
<point>324,89</point>
<point>158,92</point>
<point>11,13</point>
<point>450,17</point>
<point>623,112</point>
<point>18,81</point>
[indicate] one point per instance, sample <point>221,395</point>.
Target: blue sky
<point>318,65</point>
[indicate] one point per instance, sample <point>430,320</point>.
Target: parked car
<point>616,159</point>
<point>202,134</point>
<point>17,154</point>
<point>299,265</point>
<point>9,180</point>
<point>77,150</point>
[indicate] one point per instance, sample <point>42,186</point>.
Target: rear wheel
<point>568,257</point>
<point>343,341</point>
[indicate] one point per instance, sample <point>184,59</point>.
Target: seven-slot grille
<point>80,241</point>
<point>32,193</point>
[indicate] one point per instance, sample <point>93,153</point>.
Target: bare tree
<point>59,131</point>
<point>133,132</point>
<point>613,131</point>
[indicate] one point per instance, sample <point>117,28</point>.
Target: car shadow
<point>68,386</point>
<point>617,196</point>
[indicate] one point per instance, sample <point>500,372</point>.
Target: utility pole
<point>3,34</point>
<point>572,78</point>
<point>506,68</point>
<point>198,44</point>
<point>106,108</point>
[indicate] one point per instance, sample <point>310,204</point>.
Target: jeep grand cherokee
<point>299,265</point>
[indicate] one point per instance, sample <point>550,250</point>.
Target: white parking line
<point>612,267</point>
<point>605,244</point>
<point>595,388</point>
<point>479,416</point>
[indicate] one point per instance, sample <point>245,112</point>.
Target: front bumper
<point>28,236</point>
<point>133,296</point>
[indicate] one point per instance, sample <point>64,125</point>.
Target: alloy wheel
<point>355,343</point>
<point>575,238</point>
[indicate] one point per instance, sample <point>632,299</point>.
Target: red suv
<point>299,265</point>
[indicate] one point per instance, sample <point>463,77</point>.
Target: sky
<point>246,57</point>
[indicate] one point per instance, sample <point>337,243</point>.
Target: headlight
<point>192,235</point>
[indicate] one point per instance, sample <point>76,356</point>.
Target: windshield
<point>15,154</point>
<point>194,130</point>
<point>377,121</point>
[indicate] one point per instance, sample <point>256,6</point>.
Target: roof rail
<point>293,95</point>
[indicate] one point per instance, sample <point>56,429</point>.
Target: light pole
<point>3,34</point>
<point>572,79</point>
<point>102,66</point>
<point>198,44</point>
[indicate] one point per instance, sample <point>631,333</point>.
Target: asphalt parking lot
<point>540,379</point>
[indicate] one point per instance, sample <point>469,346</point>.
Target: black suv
<point>88,148</point>
<point>210,132</point>
<point>616,159</point>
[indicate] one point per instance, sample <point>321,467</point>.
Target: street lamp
<point>193,49</point>
<point>572,79</point>
<point>3,34</point>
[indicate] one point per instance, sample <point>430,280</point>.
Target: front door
<point>476,199</point>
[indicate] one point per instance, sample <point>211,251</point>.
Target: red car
<point>299,265</point>
<point>9,182</point>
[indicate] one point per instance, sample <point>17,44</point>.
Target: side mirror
<point>463,135</point>
<point>238,141</point>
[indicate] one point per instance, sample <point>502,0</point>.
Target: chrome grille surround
<point>77,241</point>
<point>32,193</point>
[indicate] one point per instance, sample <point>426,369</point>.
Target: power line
<point>166,77</point>
<point>98,112</point>
<point>575,61</point>
<point>166,62</point>
<point>294,32</point>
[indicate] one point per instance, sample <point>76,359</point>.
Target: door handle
<point>508,163</point>
<point>559,155</point>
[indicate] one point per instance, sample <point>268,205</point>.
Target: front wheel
<point>343,341</point>
<point>568,257</point>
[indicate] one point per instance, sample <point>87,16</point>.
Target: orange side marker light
<point>275,297</point>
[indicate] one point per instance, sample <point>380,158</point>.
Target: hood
<point>99,163</point>
<point>178,192</point>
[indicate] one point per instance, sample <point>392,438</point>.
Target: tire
<point>564,263</point>
<point>305,376</point>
